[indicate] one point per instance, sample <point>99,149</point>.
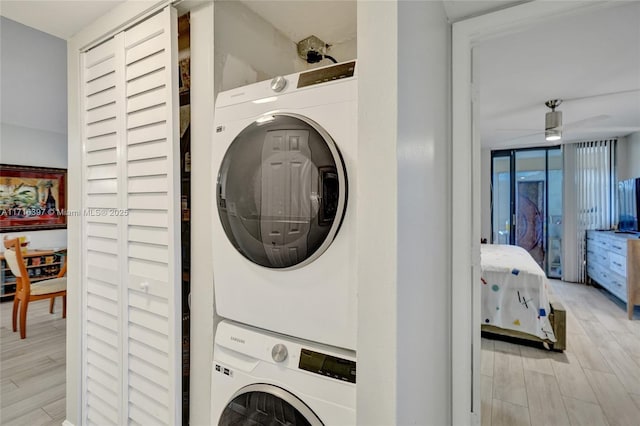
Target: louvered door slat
<point>148,235</point>
<point>99,54</point>
<point>106,398</point>
<point>101,128</point>
<point>150,81</point>
<point>104,289</point>
<point>102,186</point>
<point>141,388</point>
<point>101,113</point>
<point>107,364</point>
<point>151,338</point>
<point>145,49</point>
<point>148,133</point>
<point>151,356</point>
<point>100,84</point>
<point>103,68</point>
<point>148,371</point>
<point>99,99</point>
<point>101,142</point>
<point>102,157</point>
<point>101,414</point>
<point>147,99</point>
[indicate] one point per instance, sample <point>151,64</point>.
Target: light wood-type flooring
<point>32,371</point>
<point>596,381</point>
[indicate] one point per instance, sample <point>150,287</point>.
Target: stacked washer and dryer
<point>284,250</point>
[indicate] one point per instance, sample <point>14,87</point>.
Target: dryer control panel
<point>327,365</point>
<point>324,75</point>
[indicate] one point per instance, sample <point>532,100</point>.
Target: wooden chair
<point>27,292</point>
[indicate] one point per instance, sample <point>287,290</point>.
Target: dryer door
<point>263,404</point>
<point>281,191</point>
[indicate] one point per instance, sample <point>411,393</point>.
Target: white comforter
<point>514,291</point>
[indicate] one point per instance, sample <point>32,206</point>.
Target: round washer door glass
<point>265,408</point>
<point>281,191</point>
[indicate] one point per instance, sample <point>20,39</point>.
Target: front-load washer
<point>284,226</point>
<point>259,377</point>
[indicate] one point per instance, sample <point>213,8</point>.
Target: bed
<point>516,298</point>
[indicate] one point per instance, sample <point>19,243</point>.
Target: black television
<point>629,205</point>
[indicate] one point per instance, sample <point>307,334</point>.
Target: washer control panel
<point>327,365</point>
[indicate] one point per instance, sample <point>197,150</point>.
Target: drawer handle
<point>617,247</point>
<point>617,264</point>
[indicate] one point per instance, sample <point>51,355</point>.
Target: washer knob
<point>279,352</point>
<point>278,84</point>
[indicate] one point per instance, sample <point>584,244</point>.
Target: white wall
<point>203,318</point>
<point>404,356</point>
<point>33,107</point>
<point>424,199</point>
<point>250,49</point>
<point>377,193</point>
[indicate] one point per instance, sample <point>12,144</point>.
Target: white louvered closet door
<point>131,359</point>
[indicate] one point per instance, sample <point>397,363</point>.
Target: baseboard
<point>67,423</point>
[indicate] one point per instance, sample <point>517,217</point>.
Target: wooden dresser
<point>613,261</point>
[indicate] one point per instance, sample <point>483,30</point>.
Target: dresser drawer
<point>618,264</point>
<point>596,254</point>
<point>597,245</point>
<point>612,283</point>
<point>618,246</point>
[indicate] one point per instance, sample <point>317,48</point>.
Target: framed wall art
<point>32,198</point>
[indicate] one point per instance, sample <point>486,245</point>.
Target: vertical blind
<point>589,199</point>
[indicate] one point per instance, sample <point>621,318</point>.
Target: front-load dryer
<point>263,378</point>
<point>284,226</point>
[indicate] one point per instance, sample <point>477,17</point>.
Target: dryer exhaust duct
<point>313,50</point>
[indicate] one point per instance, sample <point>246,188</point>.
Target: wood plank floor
<point>596,381</point>
<point>32,371</point>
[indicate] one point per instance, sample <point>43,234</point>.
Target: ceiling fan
<point>554,126</point>
<point>553,121</point>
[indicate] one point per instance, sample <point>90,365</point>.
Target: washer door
<point>262,404</point>
<point>281,191</point>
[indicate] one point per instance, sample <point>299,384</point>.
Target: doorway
<point>526,202</point>
<point>466,178</point>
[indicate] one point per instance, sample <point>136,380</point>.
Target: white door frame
<point>465,344</point>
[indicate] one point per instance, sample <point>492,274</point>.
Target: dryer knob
<point>279,352</point>
<point>278,84</point>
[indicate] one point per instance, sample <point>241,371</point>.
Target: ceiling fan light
<point>553,134</point>
<point>553,126</point>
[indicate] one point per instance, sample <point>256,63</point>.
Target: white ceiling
<point>457,10</point>
<point>572,57</point>
<point>333,21</point>
<point>62,19</point>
